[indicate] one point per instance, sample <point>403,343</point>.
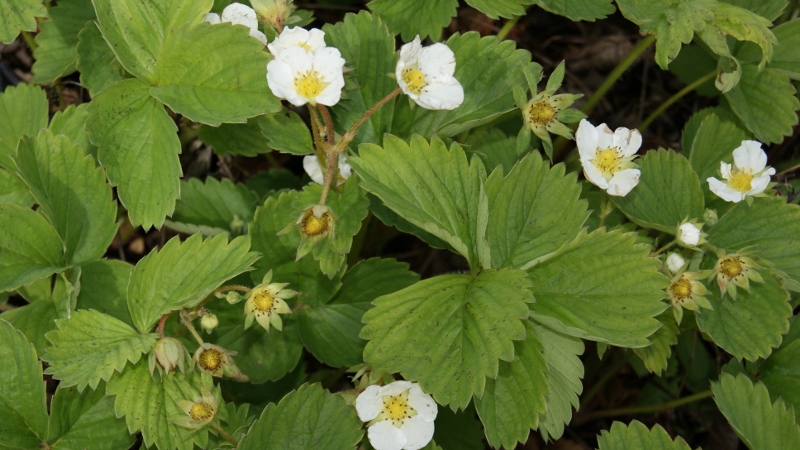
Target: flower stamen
<point>201,411</point>
<point>309,84</point>
<point>414,80</point>
<point>608,162</point>
<point>741,180</point>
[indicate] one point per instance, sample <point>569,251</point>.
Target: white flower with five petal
<point>607,158</point>
<point>689,234</point>
<point>301,77</point>
<point>400,415</point>
<point>749,174</point>
<point>239,14</point>
<point>314,168</point>
<point>426,75</point>
<point>311,40</point>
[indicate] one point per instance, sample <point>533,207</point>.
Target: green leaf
<point>501,8</point>
<point>90,346</point>
<point>770,9</point>
<point>458,430</point>
<point>584,10</point>
<point>186,273</point>
<point>757,421</point>
<point>19,15</point>
<point>432,187</point>
<point>319,420</point>
<point>13,190</point>
<point>34,320</point>
<point>71,192</point>
<point>83,420</point>
<point>656,356</point>
<point>780,373</point>
<point>367,45</point>
<point>330,331</point>
<point>564,373</point>
<point>742,25</point>
<point>602,286</point>
<point>104,287</point>
<point>512,402</point>
<point>533,211</point>
<point>244,139</point>
<point>753,324</point>
<point>495,149</point>
<point>71,122</point>
<point>30,248</point>
<point>672,22</point>
<point>786,59</point>
<point>137,141</point>
<point>765,102</point>
<point>287,133</point>
<point>237,424</point>
<point>213,207</point>
<point>229,82</point>
<point>23,112</point>
<point>425,18</point>
<point>55,52</point>
<point>23,409</point>
<point>663,171</point>
<point>97,63</point>
<point>392,219</point>
<point>637,436</point>
<point>449,332</point>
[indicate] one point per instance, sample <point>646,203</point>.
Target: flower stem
<point>326,115</point>
<point>333,159</point>
<point>649,408</point>
<point>161,323</point>
<point>689,88</point>
<point>315,129</point>
<point>224,434</point>
<point>661,250</point>
<point>507,27</point>
<point>187,322</point>
<point>351,133</point>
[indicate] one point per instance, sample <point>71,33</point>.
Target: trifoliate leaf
<point>228,84</point>
<point>13,190</point>
<point>501,8</point>
<point>90,346</point>
<point>71,192</point>
<point>672,22</point>
<point>23,112</point>
<point>137,141</point>
<point>781,371</point>
<point>602,286</point>
<point>533,211</point>
<point>564,373</point>
<point>425,18</point>
<point>187,273</point>
<point>213,207</point>
<point>30,248</point>
<point>663,171</point>
<point>19,15</point>
<point>71,122</point>
<point>244,139</point>
<point>584,10</point>
<point>755,419</point>
<point>104,287</point>
<point>765,102</point>
<point>512,402</point>
<point>753,324</point>
<point>367,45</point>
<point>770,9</point>
<point>320,420</point>
<point>432,187</point>
<point>84,419</point>
<point>330,331</point>
<point>449,332</point>
<point>636,436</point>
<point>34,320</point>
<point>286,133</point>
<point>656,356</point>
<point>97,63</point>
<point>55,52</point>
<point>23,408</point>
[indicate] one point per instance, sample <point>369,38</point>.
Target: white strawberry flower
<point>239,14</point>
<point>689,234</point>
<point>426,75</point>
<point>607,157</point>
<point>311,40</point>
<point>314,168</point>
<point>675,262</point>
<point>400,415</point>
<point>301,77</point>
<point>749,174</point>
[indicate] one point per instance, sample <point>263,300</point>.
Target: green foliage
<point>786,59</point>
<point>656,356</point>
<point>780,372</point>
<point>213,207</point>
<point>244,139</point>
<point>85,420</point>
<point>55,53</point>
<point>584,10</point>
<point>637,436</point>
<point>97,63</point>
<point>19,15</point>
<point>30,248</point>
<point>501,8</point>
<point>286,133</point>
<point>13,190</point>
<point>104,287</point>
<point>741,24</point>
<point>770,9</point>
<point>23,112</point>
<point>34,320</point>
<point>425,18</point>
<point>71,122</point>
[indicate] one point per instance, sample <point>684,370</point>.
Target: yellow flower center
<point>309,84</point>
<point>731,266</point>
<point>608,161</point>
<point>681,289</point>
<point>201,411</point>
<point>316,226</point>
<point>210,359</point>
<point>414,80</point>
<point>397,409</point>
<point>541,112</point>
<point>304,45</point>
<point>740,180</point>
<point>263,301</point>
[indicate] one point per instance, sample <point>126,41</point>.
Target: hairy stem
<point>331,133</point>
<point>689,88</point>
<point>187,322</point>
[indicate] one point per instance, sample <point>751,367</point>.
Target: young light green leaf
<point>23,112</point>
<point>34,320</point>
<point>741,24</point>
<point>244,139</point>
<point>449,332</point>
<point>30,248</point>
<point>765,102</point>
<point>286,133</point>
<point>656,356</point>
<point>663,171</point>
<point>23,408</point>
<point>770,9</point>
<point>90,346</point>
<point>432,187</point>
<point>636,436</point>
<point>780,373</point>
<point>228,84</point>
<point>756,420</point>
<point>84,419</point>
<point>213,207</point>
<point>187,273</point>
<point>71,122</point>
<point>512,402</point>
<point>137,141</point>
<point>71,192</point>
<point>104,287</point>
<point>97,63</point>
<point>533,211</point>
<point>320,420</point>
<point>55,52</point>
<point>590,10</point>
<point>425,18</point>
<point>19,15</point>
<point>13,190</point>
<point>602,286</point>
<point>330,331</point>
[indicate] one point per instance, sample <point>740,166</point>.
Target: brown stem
<point>315,129</point>
<point>351,133</point>
<point>333,159</point>
<point>331,134</point>
<point>161,323</point>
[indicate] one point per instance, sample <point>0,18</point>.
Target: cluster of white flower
<point>239,14</point>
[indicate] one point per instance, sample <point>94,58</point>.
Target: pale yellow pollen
<point>397,409</point>
<point>414,80</point>
<point>304,45</point>
<point>608,161</point>
<point>201,411</point>
<point>309,84</point>
<point>740,180</point>
<point>263,301</point>
<point>541,112</point>
<point>315,226</point>
<point>210,359</point>
<point>731,267</point>
<point>681,288</point>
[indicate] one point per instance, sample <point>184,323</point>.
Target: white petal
<point>369,403</point>
<point>418,432</point>
<point>423,403</point>
<point>689,234</point>
<point>749,155</point>
<point>239,14</point>
<point>623,182</point>
<point>313,169</point>
<point>723,191</point>
<point>605,137</point>
<point>628,141</point>
<point>298,59</point>
<point>409,52</point>
<point>344,169</point>
<point>396,388</point>
<point>316,40</point>
<point>448,95</point>
<point>593,174</point>
<point>289,37</point>
<point>675,262</point>
<point>279,77</point>
<point>586,139</point>
<point>258,35</point>
<point>758,185</point>
<point>437,62</point>
<point>212,18</point>
<point>385,436</point>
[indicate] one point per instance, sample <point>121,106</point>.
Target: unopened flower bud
<point>208,322</point>
<point>274,12</point>
<point>169,353</point>
<point>689,234</point>
<point>675,262</point>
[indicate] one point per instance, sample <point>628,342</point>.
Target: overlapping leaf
<point>23,112</point>
<point>19,15</point>
<point>656,356</point>
<point>34,320</point>
<point>213,207</point>
<point>55,52</point>
<point>104,287</point>
<point>636,436</point>
<point>84,420</point>
<point>71,122</point>
<point>97,63</point>
<point>786,59</point>
<point>13,190</point>
<point>286,133</point>
<point>780,373</point>
<point>30,248</point>
<point>584,10</point>
<point>501,8</point>
<point>425,18</point>
<point>244,139</point>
